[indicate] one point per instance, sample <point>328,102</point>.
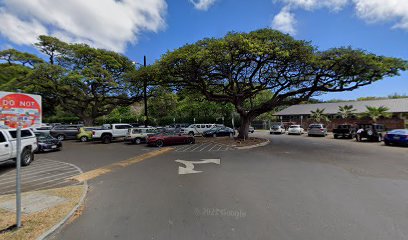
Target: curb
<point>69,215</point>
<point>256,145</point>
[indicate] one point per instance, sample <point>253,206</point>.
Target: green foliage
<point>238,67</point>
<point>84,81</point>
<point>319,116</point>
<point>374,113</point>
<point>346,111</point>
<point>14,68</point>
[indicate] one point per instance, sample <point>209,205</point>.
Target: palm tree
<point>318,115</point>
<point>376,112</point>
<point>346,111</point>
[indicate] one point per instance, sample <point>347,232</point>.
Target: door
<point>71,132</point>
<point>121,130</point>
<point>5,148</point>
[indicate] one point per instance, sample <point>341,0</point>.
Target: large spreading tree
<point>84,81</point>
<point>236,68</point>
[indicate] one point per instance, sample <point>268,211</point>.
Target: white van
<point>198,129</point>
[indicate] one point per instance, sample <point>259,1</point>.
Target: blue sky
<point>152,27</point>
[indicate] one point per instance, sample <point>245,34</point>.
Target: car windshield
<point>294,126</point>
<point>315,126</point>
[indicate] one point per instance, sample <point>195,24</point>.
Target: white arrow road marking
<point>190,165</point>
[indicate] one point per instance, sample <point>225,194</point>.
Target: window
<point>198,126</point>
<point>24,133</point>
<point>208,126</point>
<point>2,138</point>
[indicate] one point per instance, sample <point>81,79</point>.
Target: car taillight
<point>93,132</point>
<point>322,129</point>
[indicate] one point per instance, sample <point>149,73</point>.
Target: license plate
<point>396,137</point>
<point>53,146</point>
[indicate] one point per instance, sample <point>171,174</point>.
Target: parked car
<point>85,134</point>
<point>219,132</point>
<point>198,129</point>
<point>277,129</point>
<point>65,132</point>
<point>139,135</point>
<point>110,132</point>
<point>251,129</point>
<point>295,129</point>
<point>344,131</point>
<point>397,137</point>
<point>371,132</point>
<point>8,148</point>
<point>46,142</point>
<point>169,138</point>
<point>317,130</point>
<point>43,129</point>
<point>176,127</point>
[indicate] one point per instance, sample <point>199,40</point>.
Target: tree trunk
<point>88,121</point>
<point>244,128</point>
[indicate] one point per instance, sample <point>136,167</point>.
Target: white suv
<point>198,129</point>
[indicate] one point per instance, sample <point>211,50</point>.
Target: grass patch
<point>34,225</point>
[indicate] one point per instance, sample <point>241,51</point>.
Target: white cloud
<point>106,24</point>
<point>384,11</point>
<point>395,11</point>
<point>203,5</point>
<point>285,21</point>
<point>334,5</point>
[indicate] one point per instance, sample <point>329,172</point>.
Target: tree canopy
<point>84,81</point>
<point>236,68</point>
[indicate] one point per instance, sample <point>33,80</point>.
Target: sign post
<point>18,177</point>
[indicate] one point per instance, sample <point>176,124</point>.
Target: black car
<point>219,132</point>
<point>344,131</point>
<point>371,132</point>
<point>64,132</point>
<point>45,142</point>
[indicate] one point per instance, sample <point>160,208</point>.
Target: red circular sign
<point>17,107</point>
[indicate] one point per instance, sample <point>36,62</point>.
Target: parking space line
<point>219,147</point>
<point>182,147</point>
<point>30,175</point>
<point>39,179</point>
<point>213,147</point>
<point>205,146</point>
<point>109,168</point>
<point>27,169</point>
<point>188,148</point>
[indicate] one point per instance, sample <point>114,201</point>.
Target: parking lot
<point>296,187</point>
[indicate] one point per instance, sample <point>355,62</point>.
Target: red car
<point>162,139</point>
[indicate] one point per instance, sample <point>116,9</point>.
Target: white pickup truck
<point>110,132</point>
<point>8,145</point>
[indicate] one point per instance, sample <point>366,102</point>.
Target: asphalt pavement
<point>294,188</point>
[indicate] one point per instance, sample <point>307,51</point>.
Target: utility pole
<point>145,94</point>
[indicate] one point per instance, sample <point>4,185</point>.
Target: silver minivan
<point>317,130</point>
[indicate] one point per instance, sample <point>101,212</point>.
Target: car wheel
<point>335,136</point>
<point>387,142</point>
<point>214,135</point>
<point>84,139</point>
<point>106,139</point>
<point>191,133</point>
<point>189,141</point>
<point>159,143</point>
<point>61,137</point>
<point>138,141</point>
<point>26,157</point>
<point>379,139</point>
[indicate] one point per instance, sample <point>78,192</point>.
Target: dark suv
<point>64,132</point>
<point>371,132</point>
